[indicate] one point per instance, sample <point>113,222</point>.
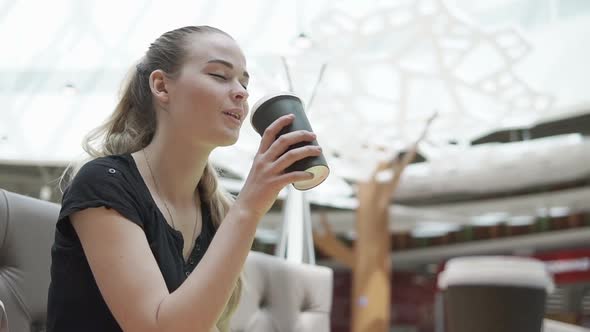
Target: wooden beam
<point>372,271</point>
<point>371,303</point>
<point>327,242</point>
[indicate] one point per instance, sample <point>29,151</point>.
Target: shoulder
<point>117,171</point>
<point>110,178</point>
<point>108,167</point>
<point>110,181</point>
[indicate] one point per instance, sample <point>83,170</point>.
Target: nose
<point>239,94</point>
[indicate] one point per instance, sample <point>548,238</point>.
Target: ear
<point>158,85</point>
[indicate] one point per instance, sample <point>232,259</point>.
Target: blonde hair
<point>132,125</point>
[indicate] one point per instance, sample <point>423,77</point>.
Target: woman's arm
<point>133,287</point>
<point>128,275</point>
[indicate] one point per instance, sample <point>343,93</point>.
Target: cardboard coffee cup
<point>494,294</point>
<point>272,107</point>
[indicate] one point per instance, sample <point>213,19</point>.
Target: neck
<point>175,171</point>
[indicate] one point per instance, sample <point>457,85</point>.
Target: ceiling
<point>387,66</point>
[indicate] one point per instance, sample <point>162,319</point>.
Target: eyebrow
<point>227,64</point>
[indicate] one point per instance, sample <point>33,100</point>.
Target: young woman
<point>146,239</point>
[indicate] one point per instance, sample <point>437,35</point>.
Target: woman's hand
<point>267,176</point>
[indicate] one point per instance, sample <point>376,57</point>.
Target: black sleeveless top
<point>75,302</point>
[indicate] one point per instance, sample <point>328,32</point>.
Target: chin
<point>228,140</point>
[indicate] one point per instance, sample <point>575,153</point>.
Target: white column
<point>296,242</point>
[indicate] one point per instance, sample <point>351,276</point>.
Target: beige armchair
<point>283,296</point>
<point>277,295</point>
<point>26,235</point>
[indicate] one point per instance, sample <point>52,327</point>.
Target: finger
<point>281,144</point>
<point>294,155</point>
<point>296,176</point>
<point>272,131</point>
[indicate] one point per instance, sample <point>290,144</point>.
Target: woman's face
<point>208,99</point>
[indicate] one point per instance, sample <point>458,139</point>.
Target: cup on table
<point>494,294</point>
<point>273,106</point>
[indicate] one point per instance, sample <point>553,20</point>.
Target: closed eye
<point>245,86</point>
<point>219,76</point>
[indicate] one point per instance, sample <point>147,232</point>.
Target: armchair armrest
<point>555,326</point>
<point>3,318</point>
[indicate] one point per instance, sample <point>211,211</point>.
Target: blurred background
<point>502,169</point>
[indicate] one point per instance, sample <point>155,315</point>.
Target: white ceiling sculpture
<point>387,71</point>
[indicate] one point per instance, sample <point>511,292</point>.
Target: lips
<point>233,119</point>
<point>235,113</point>
<point>236,116</point>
